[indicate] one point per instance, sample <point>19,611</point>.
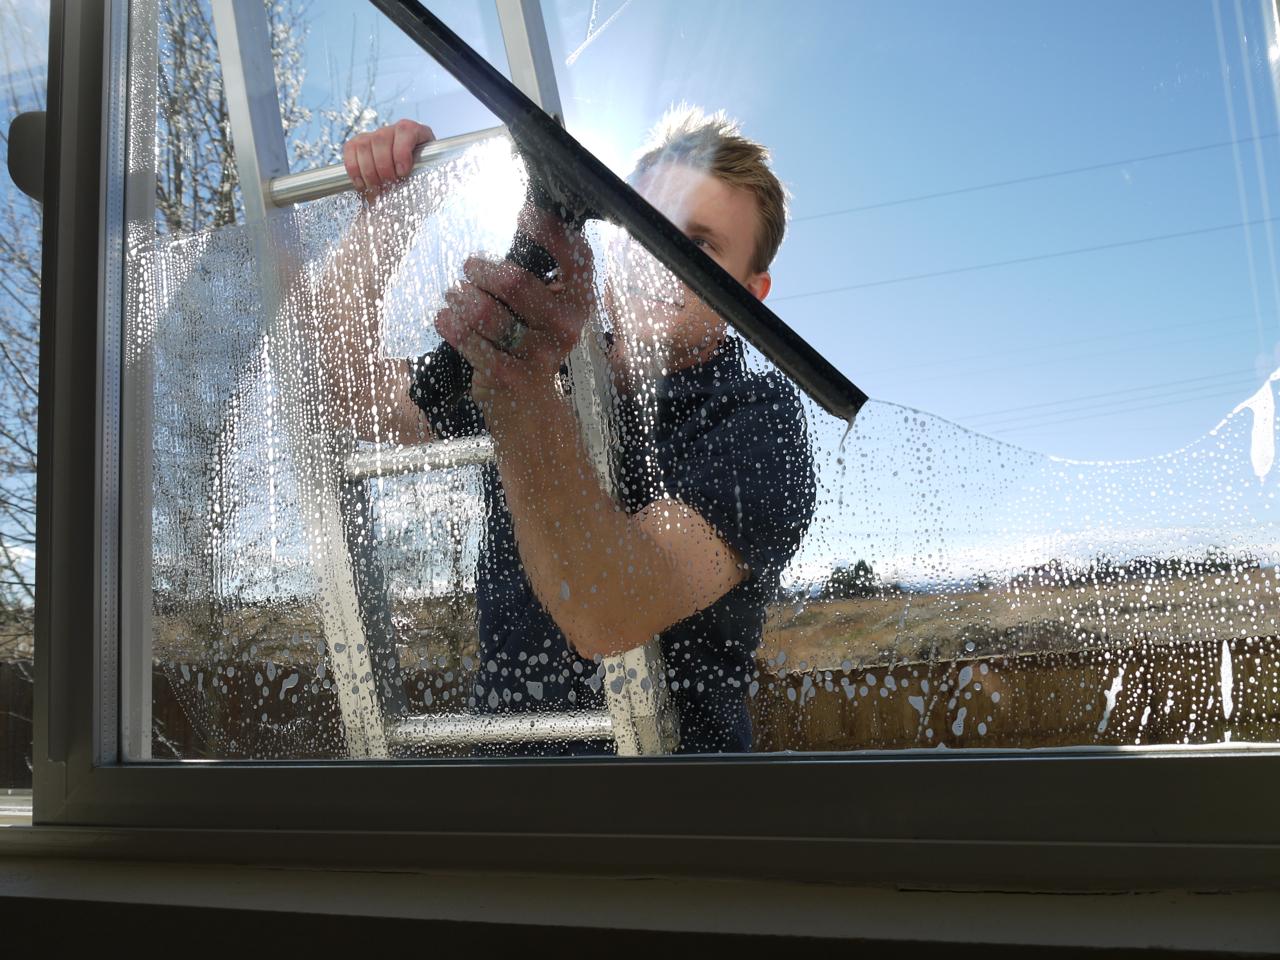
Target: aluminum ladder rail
<point>639,716</point>
<point>257,133</point>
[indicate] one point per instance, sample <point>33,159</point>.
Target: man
<point>715,476</point>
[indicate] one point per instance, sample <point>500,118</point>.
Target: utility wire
<point>1055,344</point>
<point>1063,360</point>
<point>1204,391</point>
<point>1116,412</point>
<point>995,184</point>
<point>1201,231</point>
<point>1182,381</point>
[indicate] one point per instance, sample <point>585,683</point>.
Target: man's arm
<point>611,581</point>
<point>367,393</point>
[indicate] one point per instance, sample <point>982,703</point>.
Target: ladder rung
<point>467,729</point>
<point>436,455</point>
<point>326,181</point>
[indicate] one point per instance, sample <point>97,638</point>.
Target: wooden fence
<point>1194,692</point>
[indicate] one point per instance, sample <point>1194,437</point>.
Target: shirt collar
<point>707,377</point>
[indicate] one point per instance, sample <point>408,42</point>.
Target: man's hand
<point>377,159</point>
<point>481,313</point>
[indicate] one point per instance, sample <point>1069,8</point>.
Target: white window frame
<point>1081,819</point>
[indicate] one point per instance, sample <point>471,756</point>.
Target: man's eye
<point>701,242</point>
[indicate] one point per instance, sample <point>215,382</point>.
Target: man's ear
<point>759,284</point>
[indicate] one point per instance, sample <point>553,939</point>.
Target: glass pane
<point>24,44</point>
<point>353,554</point>
<point>1073,271</point>
<point>196,343</point>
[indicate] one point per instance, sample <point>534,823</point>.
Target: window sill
<point>958,865</point>
<point>1241,922</point>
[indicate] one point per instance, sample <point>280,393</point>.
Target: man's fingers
<point>559,316</point>
<point>473,313</point>
<point>368,170</point>
<point>402,153</point>
<point>478,311</point>
<point>408,135</point>
<point>352,163</point>
<point>446,326</point>
<point>376,160</point>
<point>381,147</point>
<point>492,368</point>
<point>480,317</point>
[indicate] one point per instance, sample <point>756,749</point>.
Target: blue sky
<point>926,146</point>
<point>1021,217</point>
<point>1129,351</point>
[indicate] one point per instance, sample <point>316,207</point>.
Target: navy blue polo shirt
<point>728,442</point>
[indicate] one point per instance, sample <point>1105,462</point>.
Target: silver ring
<point>514,336</point>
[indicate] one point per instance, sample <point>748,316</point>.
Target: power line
<point>1096,416</point>
<point>1053,344</point>
<point>1060,359</point>
<point>1032,259</point>
<point>1108,393</point>
<point>1117,412</point>
<point>1120,406</point>
<point>1031,179</point>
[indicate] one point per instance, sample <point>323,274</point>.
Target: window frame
<point>1078,818</point>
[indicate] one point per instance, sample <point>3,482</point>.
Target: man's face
<point>656,317</point>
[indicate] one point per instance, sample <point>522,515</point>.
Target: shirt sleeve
<point>749,473</point>
<point>439,388</point>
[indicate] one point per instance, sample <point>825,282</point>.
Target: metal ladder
<point>356,615</point>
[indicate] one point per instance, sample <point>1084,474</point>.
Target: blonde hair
<point>715,145</point>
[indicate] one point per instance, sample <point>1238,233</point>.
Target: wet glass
<point>1060,531</point>
<point>24,30</point>
<point>348,557</point>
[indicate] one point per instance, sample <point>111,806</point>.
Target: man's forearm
<point>607,585</point>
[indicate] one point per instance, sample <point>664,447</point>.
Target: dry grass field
<point>1043,661</point>
<point>1033,615</point>
<point>1030,615</point>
